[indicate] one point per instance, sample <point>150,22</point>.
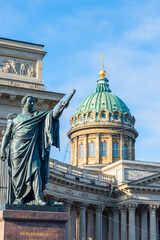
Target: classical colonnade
<point>123,222</point>
<point>85,139</point>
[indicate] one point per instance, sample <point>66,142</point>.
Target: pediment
<point>152,181</point>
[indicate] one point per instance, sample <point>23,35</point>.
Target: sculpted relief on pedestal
<point>18,66</point>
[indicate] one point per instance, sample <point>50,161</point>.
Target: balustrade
<point>83,173</point>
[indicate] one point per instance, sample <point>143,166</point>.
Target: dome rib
<point>99,103</point>
<point>89,103</point>
<point>102,99</point>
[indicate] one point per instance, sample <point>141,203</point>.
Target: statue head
<point>28,103</point>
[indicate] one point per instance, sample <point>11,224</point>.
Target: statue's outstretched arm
<point>57,113</point>
<point>6,138</point>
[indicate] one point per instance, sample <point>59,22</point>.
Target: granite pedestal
<point>39,224</point>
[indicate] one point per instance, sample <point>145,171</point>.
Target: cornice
<point>20,49</point>
<point>113,128</point>
<point>134,188</point>
<point>20,91</point>
<point>87,186</point>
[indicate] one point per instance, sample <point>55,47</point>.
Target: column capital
<point>100,207</point>
<point>73,207</point>
<point>83,205</point>
<point>145,207</point>
<point>67,203</point>
<point>85,135</point>
<point>132,206</point>
<point>153,207</point>
<point>115,210</point>
<point>122,208</point>
<point>110,134</point>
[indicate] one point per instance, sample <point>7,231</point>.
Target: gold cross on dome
<point>102,57</point>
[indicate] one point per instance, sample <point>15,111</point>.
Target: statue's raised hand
<point>65,103</point>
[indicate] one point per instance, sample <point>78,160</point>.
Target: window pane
<point>91,149</point>
<point>103,115</point>
<point>115,149</point>
<point>126,174</point>
<point>125,151</point>
<point>81,151</point>
<point>115,116</point>
<point>103,149</point>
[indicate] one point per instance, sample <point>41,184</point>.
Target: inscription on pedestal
<point>34,235</point>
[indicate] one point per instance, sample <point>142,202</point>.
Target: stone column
<point>133,149</point>
<point>99,210</point>
<point>76,151</point>
<point>138,230</point>
<point>72,153</point>
<point>130,149</point>
<point>109,154</point>
<point>67,225</point>
<point>104,227</point>
<point>123,211</point>
<point>90,225</point>
<point>82,230</point>
<point>115,223</point>
<point>97,148</point>
<point>157,224</point>
<point>132,229</point>
<point>152,215</point>
<point>110,226</point>
<point>85,149</point>
<point>144,224</point>
<point>73,223</point>
<point>121,146</point>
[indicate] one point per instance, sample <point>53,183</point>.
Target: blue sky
<point>75,34</point>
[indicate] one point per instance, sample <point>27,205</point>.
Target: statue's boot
<point>40,202</point>
<point>18,201</point>
<point>37,189</point>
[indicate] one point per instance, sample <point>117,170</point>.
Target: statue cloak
<point>31,140</point>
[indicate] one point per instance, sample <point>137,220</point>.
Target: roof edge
<point>13,40</point>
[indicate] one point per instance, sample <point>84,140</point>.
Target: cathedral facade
<point>106,192</point>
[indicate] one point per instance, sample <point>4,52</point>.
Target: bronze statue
<point>31,135</point>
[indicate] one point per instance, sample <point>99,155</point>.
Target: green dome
<point>102,99</point>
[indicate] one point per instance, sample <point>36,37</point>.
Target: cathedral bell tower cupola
<point>102,129</point>
<point>102,82</point>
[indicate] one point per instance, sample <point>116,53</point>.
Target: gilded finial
<point>102,73</point>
